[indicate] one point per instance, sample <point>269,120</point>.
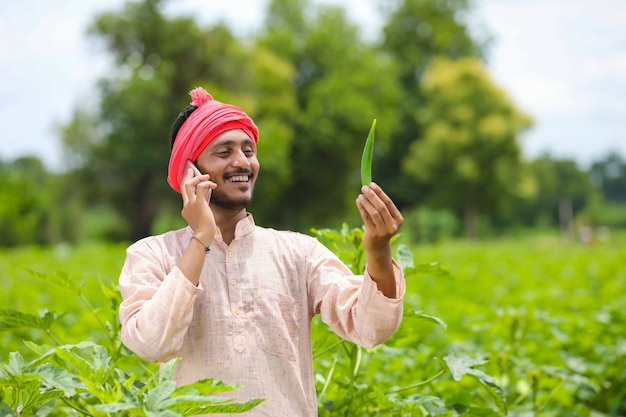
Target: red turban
<point>202,126</point>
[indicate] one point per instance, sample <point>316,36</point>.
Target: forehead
<point>231,137</point>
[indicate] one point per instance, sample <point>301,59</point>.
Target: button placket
<point>236,300</point>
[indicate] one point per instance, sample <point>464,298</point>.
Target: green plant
<point>368,154</point>
<point>344,388</point>
<point>89,378</point>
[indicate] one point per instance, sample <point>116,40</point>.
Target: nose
<point>240,159</point>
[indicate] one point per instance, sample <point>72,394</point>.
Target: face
<point>230,159</point>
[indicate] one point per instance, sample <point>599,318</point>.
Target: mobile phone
<point>193,166</point>
<point>196,172</point>
<point>195,169</point>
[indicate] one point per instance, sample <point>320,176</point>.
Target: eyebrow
<point>229,142</point>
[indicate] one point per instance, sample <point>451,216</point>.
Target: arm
<point>157,306</point>
<point>352,305</point>
<point>196,192</point>
<point>382,220</point>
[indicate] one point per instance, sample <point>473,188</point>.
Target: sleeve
<point>352,305</point>
<point>157,306</point>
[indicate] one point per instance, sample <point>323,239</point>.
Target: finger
<point>184,190</point>
<point>391,207</point>
<point>207,187</point>
<point>376,204</point>
<point>395,216</point>
<point>370,215</point>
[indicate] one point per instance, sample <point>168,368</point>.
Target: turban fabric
<point>210,119</point>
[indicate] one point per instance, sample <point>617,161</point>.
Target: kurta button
<point>237,311</point>
<point>230,254</point>
<point>233,282</point>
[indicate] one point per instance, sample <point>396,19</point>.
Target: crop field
<point>533,326</point>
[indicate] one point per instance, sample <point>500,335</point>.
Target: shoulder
<point>168,242</point>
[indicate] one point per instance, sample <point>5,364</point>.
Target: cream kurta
<point>249,320</point>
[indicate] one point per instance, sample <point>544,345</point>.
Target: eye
<point>223,153</point>
<point>248,151</point>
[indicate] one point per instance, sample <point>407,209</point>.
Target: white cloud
<point>565,63</point>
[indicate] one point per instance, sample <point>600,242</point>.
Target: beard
<point>222,200</point>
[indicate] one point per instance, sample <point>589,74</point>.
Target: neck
<point>227,220</point>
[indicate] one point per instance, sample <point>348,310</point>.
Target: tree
<point>469,152</point>
<point>609,175</point>
<point>122,148</point>
<point>342,85</point>
<point>415,33</point>
<point>37,207</point>
<point>562,191</point>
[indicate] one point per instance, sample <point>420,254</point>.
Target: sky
<point>563,62</point>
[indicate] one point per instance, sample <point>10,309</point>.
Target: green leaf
<point>366,158</point>
<point>16,364</point>
<point>11,319</point>
<point>162,413</point>
<point>115,407</point>
<point>208,408</point>
<point>33,396</point>
<point>434,269</point>
<point>462,365</point>
<point>404,256</point>
<point>207,386</point>
<point>77,365</point>
<point>5,410</point>
<point>167,369</point>
<point>156,398</point>
<point>60,278</point>
<point>59,378</point>
<point>422,316</point>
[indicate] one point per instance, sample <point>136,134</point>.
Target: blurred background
<point>493,117</point>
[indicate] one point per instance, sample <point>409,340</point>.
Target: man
<point>235,301</point>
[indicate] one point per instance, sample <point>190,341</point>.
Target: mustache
<point>238,171</point>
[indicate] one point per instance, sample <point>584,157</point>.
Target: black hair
<point>182,117</point>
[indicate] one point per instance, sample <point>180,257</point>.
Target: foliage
<point>609,175</point>
<point>340,81</point>
<point>426,225</point>
<point>534,325</point>
<point>555,182</point>
<point>37,206</point>
<point>88,377</point>
<point>469,148</point>
<point>122,147</point>
<point>414,33</point>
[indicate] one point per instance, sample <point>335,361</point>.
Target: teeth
<point>239,178</point>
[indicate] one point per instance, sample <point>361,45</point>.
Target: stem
<point>329,377</point>
<point>418,384</point>
<point>74,407</point>
<point>93,310</point>
<point>54,339</point>
<point>395,391</point>
<point>552,393</point>
<point>327,349</point>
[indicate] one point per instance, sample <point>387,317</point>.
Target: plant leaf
<point>404,256</point>
<point>422,316</point>
<point>156,398</point>
<point>12,319</point>
<point>461,365</point>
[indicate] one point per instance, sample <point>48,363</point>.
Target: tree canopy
<point>313,85</point>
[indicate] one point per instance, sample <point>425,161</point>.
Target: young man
<point>234,300</point>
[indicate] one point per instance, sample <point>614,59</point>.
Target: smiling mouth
<point>239,178</point>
